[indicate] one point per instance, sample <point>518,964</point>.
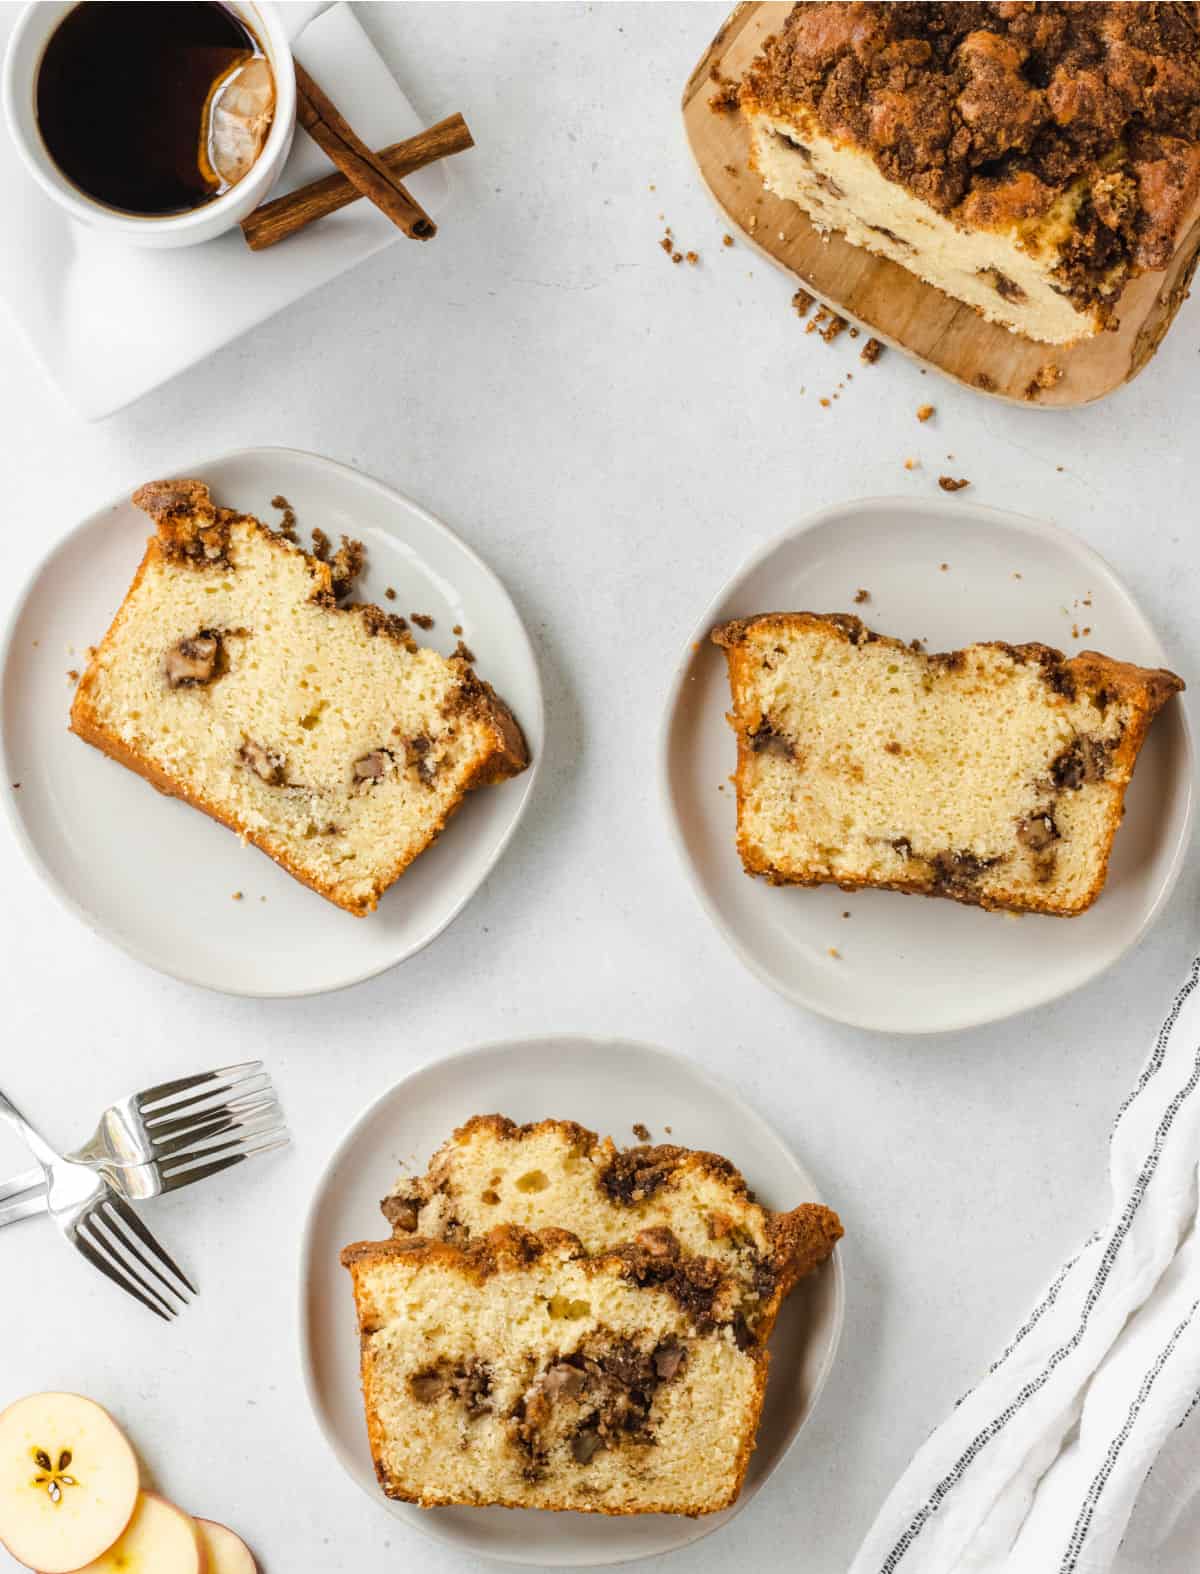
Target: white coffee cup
<point>21,63</point>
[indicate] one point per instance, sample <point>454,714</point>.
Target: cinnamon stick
<point>284,216</point>
<point>323,121</point>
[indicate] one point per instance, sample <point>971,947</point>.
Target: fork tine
<point>184,1175</point>
<point>208,1149</point>
<point>164,1090</point>
<point>213,1126</point>
<point>107,1230</point>
<point>250,1104</point>
<point>126,1214</point>
<point>98,1260</point>
<point>211,1097</point>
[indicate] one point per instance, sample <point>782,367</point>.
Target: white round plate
<point>903,964</point>
<point>155,876</point>
<point>607,1085</point>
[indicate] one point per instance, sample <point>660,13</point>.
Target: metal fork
<point>102,1227</point>
<point>168,1136</point>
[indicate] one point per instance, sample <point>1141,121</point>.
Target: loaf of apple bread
<point>995,775</point>
<point>519,1370</point>
<point>557,1174</point>
<point>322,733</point>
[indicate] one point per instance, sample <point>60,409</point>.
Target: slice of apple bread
<point>557,1174</point>
<point>323,734</point>
<point>994,775</point>
<point>518,1370</point>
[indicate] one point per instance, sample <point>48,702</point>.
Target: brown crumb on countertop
<point>835,953</point>
<point>72,674</point>
<point>860,596</point>
<point>871,351</point>
<point>845,915</point>
<point>827,323</point>
<point>726,239</point>
<point>912,464</point>
<point>824,404</point>
<point>692,256</point>
<point>390,593</point>
<point>943,567</point>
<point>237,896</point>
<point>457,629</point>
<point>424,621</point>
<point>949,484</point>
<point>640,1131</point>
<point>833,327</point>
<point>802,303</point>
<point>925,411</point>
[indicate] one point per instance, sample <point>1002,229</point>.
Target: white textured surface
<point>614,434</point>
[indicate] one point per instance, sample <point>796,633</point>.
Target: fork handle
<point>41,1149</point>
<point>28,1180</point>
<point>23,1206</point>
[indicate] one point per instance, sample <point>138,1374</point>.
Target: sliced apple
<point>227,1553</point>
<point>159,1539</point>
<point>68,1481</point>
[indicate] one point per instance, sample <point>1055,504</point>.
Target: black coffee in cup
<point>154,109</point>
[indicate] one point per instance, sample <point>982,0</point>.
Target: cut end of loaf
<point>520,1371</point>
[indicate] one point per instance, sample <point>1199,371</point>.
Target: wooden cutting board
<point>887,300</point>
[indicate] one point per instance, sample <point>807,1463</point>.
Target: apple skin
<point>227,1552</point>
<point>92,1422</point>
<point>154,1519</point>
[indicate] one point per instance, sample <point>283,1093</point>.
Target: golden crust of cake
<point>518,1370</point>
<point>657,1197</point>
<point>994,114</point>
<point>213,681</point>
<point>995,775</point>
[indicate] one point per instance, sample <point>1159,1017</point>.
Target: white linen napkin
<point>1087,1426</point>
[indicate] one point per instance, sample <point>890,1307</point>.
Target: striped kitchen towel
<point>1079,1451</point>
